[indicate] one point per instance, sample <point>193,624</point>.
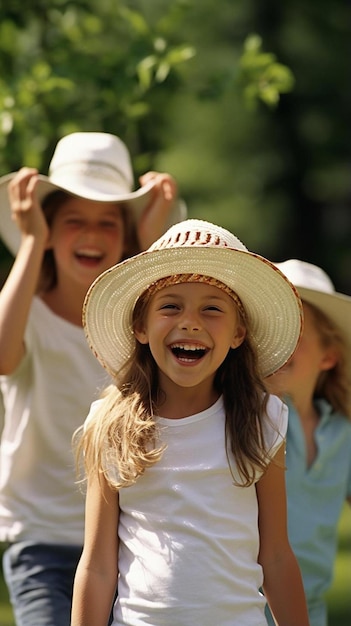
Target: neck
<point>305,408</point>
<point>183,402</point>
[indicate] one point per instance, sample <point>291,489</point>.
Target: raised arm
<point>20,286</point>
<point>154,221</point>
<point>96,576</point>
<point>282,585</point>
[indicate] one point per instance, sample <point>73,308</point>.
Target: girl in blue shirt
<point>315,383</point>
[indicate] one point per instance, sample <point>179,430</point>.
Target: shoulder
<point>334,420</point>
<point>277,412</point>
<point>94,409</point>
<point>104,405</point>
<point>275,423</point>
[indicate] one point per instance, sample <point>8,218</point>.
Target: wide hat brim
<point>137,201</point>
<point>271,302</point>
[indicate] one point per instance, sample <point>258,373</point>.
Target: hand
<point>25,208</point>
<point>153,222</point>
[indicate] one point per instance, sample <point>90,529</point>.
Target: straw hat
<point>271,303</point>
<point>94,166</point>
<point>314,286</point>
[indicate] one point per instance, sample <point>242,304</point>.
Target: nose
<point>190,321</point>
<point>90,230</point>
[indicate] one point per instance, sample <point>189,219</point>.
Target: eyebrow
<point>108,211</point>
<point>205,297</point>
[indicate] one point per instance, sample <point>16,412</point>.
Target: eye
<point>110,224</point>
<point>212,308</point>
<point>73,221</point>
<point>169,306</point>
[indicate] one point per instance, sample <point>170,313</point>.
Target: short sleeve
<point>94,407</point>
<point>275,424</point>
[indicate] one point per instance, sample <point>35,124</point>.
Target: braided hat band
<point>177,279</point>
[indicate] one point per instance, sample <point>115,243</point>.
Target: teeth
<point>188,347</point>
<point>90,253</point>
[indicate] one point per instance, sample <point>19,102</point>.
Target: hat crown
<point>95,154</point>
<point>197,233</point>
<point>306,275</point>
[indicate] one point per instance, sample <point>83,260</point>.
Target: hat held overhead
<point>91,165</point>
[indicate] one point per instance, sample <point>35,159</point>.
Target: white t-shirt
<point>188,535</point>
<point>45,399</point>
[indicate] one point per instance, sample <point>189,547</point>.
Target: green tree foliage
<point>261,76</point>
<point>81,65</point>
<point>74,65</point>
<point>278,176</point>
<point>67,66</point>
<point>252,126</point>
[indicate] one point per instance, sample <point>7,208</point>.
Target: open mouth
<point>188,352</point>
<point>91,257</point>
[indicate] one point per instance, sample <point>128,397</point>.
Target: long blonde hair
<point>121,440</point>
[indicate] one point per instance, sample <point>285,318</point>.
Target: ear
<point>329,360</point>
<point>141,335</point>
<point>239,336</point>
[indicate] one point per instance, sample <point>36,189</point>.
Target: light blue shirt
<point>316,495</point>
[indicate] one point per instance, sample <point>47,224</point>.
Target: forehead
<point>309,312</point>
<point>192,290</point>
<point>89,207</point>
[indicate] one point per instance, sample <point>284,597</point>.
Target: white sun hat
<point>90,165</point>
<point>271,303</point>
<point>315,287</point>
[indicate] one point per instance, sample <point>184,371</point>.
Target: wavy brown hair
<point>123,432</point>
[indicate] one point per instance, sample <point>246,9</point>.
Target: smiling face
<point>298,378</point>
<point>190,328</point>
<point>86,238</point>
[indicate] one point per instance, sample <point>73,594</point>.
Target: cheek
<point>116,243</point>
<point>60,240</point>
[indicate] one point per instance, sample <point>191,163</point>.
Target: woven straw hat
<point>93,166</point>
<point>315,287</point>
<point>271,303</point>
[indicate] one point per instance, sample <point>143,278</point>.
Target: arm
<point>96,576</point>
<point>152,224</point>
<point>19,288</point>
<point>282,584</point>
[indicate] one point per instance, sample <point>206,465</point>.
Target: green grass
<point>339,596</point>
<point>6,617</point>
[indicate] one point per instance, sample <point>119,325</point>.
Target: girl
<point>316,385</point>
<point>185,454</point>
<point>65,230</point>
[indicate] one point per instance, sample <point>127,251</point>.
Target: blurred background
<point>246,103</point>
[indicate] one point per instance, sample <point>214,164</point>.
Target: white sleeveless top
<point>188,536</point>
<point>45,400</point>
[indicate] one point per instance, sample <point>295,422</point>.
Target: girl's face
<point>86,237</point>
<point>190,328</point>
<point>298,378</point>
